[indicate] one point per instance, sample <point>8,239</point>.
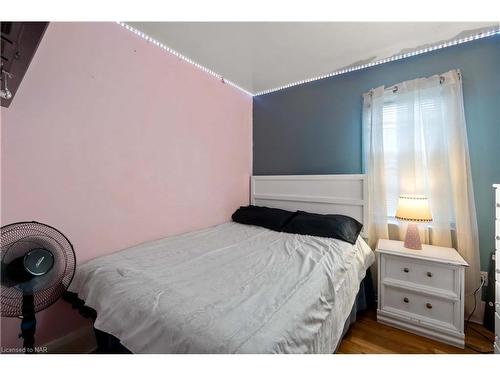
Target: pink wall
<point>115,142</point>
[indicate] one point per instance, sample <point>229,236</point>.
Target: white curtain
<point>415,142</point>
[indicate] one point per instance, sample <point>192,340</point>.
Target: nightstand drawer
<point>497,296</point>
<point>497,203</point>
<point>497,323</point>
<point>420,306</point>
<point>430,274</point>
<point>497,234</point>
<point>497,265</point>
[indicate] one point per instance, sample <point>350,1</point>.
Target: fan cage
<point>61,248</point>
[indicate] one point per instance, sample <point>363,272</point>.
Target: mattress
<point>232,288</point>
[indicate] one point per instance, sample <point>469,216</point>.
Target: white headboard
<point>324,194</point>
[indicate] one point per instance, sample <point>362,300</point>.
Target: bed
<point>236,288</point>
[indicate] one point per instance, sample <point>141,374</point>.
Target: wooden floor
<point>367,336</point>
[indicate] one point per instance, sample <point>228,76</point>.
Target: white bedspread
<point>232,288</point>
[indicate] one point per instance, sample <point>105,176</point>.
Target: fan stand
<point>29,250</point>
<point>28,324</point>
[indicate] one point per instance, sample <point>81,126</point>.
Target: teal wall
<point>315,128</point>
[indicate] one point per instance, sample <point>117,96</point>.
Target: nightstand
<point>496,346</point>
<point>422,291</point>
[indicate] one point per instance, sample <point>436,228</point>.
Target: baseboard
<point>447,336</point>
<point>81,341</point>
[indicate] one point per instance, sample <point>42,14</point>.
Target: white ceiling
<point>258,56</point>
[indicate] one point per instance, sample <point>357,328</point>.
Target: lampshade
<point>413,208</point>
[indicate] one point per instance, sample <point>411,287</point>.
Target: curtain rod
<point>394,88</point>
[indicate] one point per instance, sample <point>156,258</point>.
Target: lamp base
<point>412,239</point>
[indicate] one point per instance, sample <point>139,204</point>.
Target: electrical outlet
<point>484,276</point>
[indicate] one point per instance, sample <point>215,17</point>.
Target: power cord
<point>467,321</point>
<point>474,293</point>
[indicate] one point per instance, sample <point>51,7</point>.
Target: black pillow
<point>342,227</point>
<point>270,218</point>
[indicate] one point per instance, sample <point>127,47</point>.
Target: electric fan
<point>38,264</point>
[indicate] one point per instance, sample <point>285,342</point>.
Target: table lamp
<point>414,209</point>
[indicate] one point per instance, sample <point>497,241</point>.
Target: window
<point>402,140</point>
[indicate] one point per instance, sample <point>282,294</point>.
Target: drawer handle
<point>429,274</point>
<point>428,305</point>
<point>498,238</point>
<point>406,300</point>
<point>406,270</point>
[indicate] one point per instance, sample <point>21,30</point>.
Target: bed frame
<point>344,194</point>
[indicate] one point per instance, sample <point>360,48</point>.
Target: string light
<point>388,59</point>
<point>349,69</point>
<point>182,57</point>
